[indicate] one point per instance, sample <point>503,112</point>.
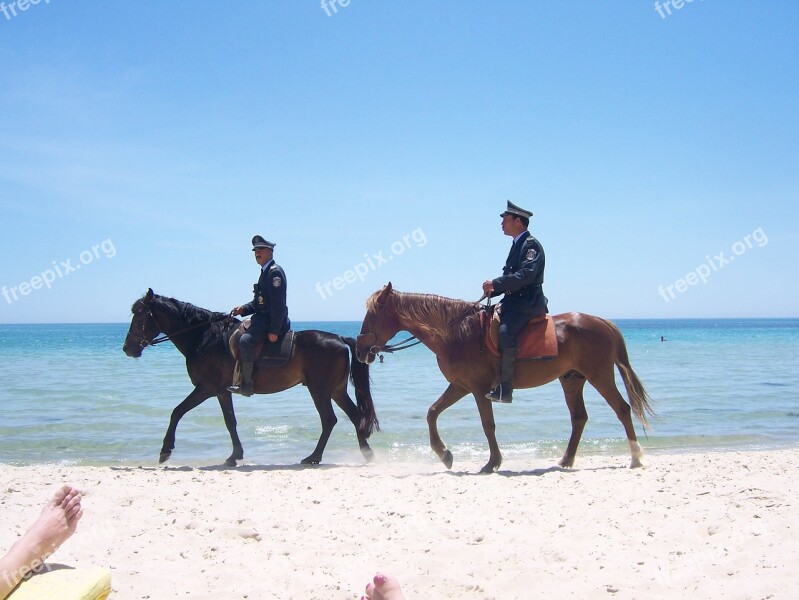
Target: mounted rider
<point>270,318</point>
<point>521,283</point>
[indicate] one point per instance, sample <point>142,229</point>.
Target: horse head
<point>379,325</point>
<point>143,326</point>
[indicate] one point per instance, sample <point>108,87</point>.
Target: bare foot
<point>55,525</point>
<point>384,587</point>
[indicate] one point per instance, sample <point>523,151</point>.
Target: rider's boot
<point>245,388</point>
<point>504,391</point>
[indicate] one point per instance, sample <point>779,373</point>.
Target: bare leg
<point>55,525</point>
<point>384,587</point>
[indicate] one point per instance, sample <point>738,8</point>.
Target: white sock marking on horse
<point>636,453</point>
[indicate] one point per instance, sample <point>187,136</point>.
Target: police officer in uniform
<point>521,284</point>
<point>270,314</point>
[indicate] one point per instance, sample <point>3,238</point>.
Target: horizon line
<point>360,320</point>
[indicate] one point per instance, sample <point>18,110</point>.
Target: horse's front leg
<point>226,404</point>
<point>197,397</point>
<point>451,395</point>
<point>490,429</point>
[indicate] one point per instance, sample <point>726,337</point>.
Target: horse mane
<point>438,316</point>
<point>192,314</point>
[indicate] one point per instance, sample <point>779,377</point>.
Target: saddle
<point>537,341</point>
<point>270,354</point>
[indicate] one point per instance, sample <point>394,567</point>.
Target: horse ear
<point>148,297</point>
<point>385,292</point>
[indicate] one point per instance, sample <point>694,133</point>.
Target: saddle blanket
<point>537,341</point>
<point>271,354</point>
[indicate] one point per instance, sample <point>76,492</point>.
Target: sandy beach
<point>713,525</point>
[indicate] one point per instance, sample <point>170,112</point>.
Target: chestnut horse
<point>588,348</point>
<point>320,361</point>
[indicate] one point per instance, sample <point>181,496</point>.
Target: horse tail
<point>359,376</point>
<point>639,398</point>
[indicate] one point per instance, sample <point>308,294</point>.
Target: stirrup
<point>502,394</point>
<point>244,390</point>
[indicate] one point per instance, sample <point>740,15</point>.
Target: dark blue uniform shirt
<point>268,306</point>
<point>522,280</point>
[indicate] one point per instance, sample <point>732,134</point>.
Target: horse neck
<point>432,327</point>
<point>172,322</point>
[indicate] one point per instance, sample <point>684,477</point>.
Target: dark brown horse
<point>321,361</point>
<point>588,348</point>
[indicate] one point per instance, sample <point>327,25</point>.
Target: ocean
<point>72,397</point>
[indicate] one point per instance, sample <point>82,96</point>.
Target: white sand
<point>718,525</point>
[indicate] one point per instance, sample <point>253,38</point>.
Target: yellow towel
<point>65,583</point>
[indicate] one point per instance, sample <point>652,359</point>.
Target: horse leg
<point>489,428</point>
<point>325,409</point>
<point>450,396</point>
<point>606,386</point>
<point>573,384</point>
<point>193,400</point>
<point>348,406</point>
<point>226,404</point>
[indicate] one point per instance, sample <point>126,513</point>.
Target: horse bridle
<point>408,343</point>
<point>156,340</point>
<point>376,348</point>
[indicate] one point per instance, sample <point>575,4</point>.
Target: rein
<point>471,309</point>
<point>403,345</point>
<point>165,337</point>
<point>408,342</point>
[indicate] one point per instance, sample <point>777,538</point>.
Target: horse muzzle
<point>363,353</point>
<point>134,350</point>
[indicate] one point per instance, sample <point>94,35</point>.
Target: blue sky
<point>147,142</point>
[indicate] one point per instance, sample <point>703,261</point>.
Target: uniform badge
<point>531,254</point>
<point>260,299</point>
<point>277,281</point>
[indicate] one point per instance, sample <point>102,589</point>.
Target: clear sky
<point>374,141</point>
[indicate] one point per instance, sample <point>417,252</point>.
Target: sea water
<point>71,396</point>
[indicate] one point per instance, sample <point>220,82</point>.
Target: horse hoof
<point>447,459</point>
<point>230,462</point>
<point>164,457</point>
<point>310,461</point>
<point>368,454</point>
<point>490,468</point>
